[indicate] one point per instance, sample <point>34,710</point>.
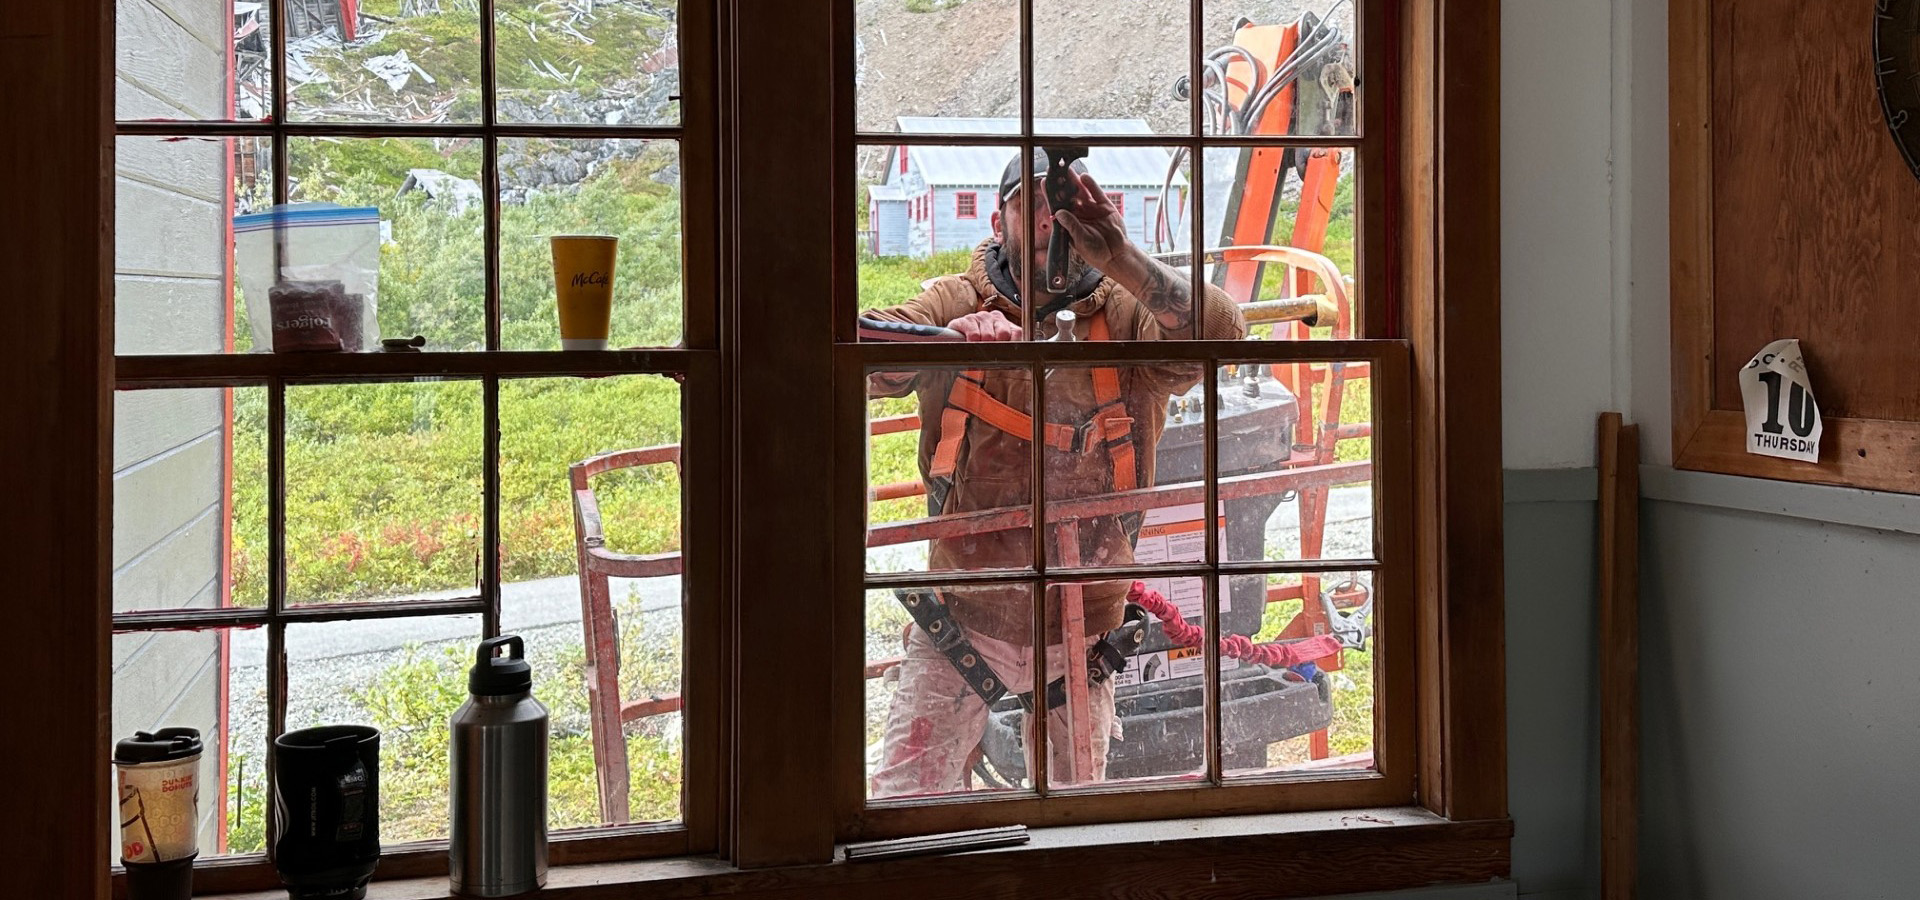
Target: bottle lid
<point>494,675</point>
<point>164,745</point>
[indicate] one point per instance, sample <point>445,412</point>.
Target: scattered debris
<point>457,193</point>
<point>396,70</point>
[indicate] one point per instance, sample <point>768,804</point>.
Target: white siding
<point>889,221</point>
<point>170,297</point>
<point>950,232</point>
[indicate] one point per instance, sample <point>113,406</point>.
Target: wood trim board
<point>1275,856</point>
<point>1448,202</point>
<point>1619,563</point>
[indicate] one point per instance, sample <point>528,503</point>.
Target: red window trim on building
<point>966,205</point>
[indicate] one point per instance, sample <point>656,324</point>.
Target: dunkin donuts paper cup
<point>159,775</point>
<point>583,285</point>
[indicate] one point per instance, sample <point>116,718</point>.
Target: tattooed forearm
<point>1166,293</point>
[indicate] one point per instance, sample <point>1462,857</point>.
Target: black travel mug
<point>326,799</point>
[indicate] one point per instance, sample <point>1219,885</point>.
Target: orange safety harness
<point>1109,422</point>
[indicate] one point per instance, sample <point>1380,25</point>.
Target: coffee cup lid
<point>158,746</point>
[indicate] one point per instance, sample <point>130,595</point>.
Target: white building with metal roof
<point>939,198</point>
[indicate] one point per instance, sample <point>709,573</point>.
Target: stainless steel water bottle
<point>499,790</point>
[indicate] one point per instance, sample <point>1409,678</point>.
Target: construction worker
<point>972,644</point>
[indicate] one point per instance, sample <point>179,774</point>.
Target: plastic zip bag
<point>310,273</point>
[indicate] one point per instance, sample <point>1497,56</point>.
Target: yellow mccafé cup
<point>583,282</point>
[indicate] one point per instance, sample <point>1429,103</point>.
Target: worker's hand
<point>986,325</point>
<point>1099,233</point>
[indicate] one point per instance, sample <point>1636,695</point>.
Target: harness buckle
<point>1080,432</point>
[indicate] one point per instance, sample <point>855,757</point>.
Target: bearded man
<point>973,644</point>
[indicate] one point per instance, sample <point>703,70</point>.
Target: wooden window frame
<point>1391,780</point>
<point>972,207</point>
<point>1441,206</point>
<point>1879,454</point>
<point>695,363</point>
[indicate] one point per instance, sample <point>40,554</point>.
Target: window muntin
<point>965,204</point>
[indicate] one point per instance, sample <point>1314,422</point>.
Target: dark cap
<point>496,676</point>
<point>1011,181</point>
<point>160,746</point>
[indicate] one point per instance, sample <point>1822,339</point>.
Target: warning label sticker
<point>1177,534</point>
<point>1161,665</point>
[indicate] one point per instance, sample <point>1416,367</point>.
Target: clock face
<point>1896,53</point>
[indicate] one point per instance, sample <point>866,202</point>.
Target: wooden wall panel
<point>1792,216</point>
<point>1817,219</point>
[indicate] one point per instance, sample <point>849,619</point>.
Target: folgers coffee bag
<point>310,316</point>
<point>310,273</point>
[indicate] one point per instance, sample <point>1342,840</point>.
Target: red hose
<point>1236,646</point>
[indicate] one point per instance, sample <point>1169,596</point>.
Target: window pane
<point>175,199</point>
<point>1280,67</point>
<point>1132,430</point>
<point>1148,720</point>
<point>1295,714</point>
<point>173,59</point>
<point>417,61</point>
<point>1143,194</point>
<point>214,681</point>
<point>383,491</point>
<point>427,191</point>
<point>914,226</point>
<point>930,730</point>
<point>1280,228</point>
<point>590,63</point>
<point>546,426</point>
<point>189,499</point>
<point>1296,461</point>
<point>974,85</point>
<point>405,677</point>
<point>627,189</point>
<point>1113,63</point>
<point>909,213</point>
<point>946,494</point>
